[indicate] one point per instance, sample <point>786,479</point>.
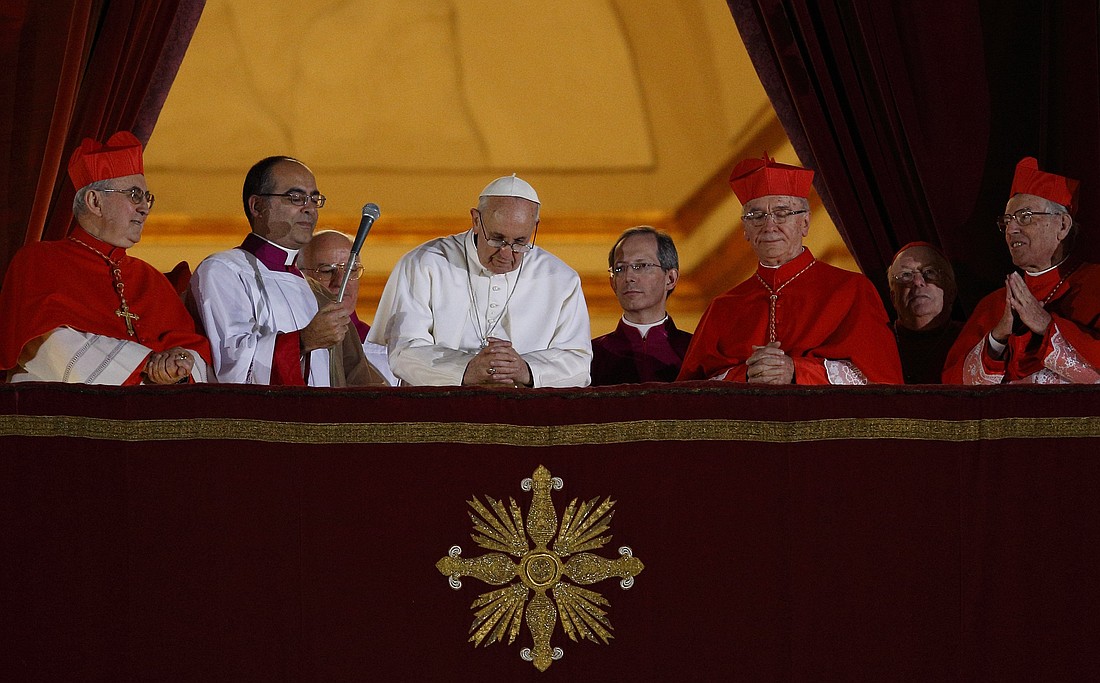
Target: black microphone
<point>371,212</point>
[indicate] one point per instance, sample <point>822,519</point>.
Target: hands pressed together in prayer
<point>168,367</point>
<point>769,365</point>
<point>326,329</point>
<point>1019,299</point>
<point>497,365</point>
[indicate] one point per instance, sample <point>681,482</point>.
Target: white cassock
<point>243,305</point>
<point>379,357</point>
<point>440,304</point>
<point>67,355</point>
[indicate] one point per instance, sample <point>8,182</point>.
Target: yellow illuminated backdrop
<point>619,112</point>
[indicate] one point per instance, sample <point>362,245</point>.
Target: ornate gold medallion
<point>540,568</point>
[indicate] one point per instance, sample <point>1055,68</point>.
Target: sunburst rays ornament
<point>540,568</point>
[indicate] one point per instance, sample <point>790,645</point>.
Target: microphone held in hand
<point>370,215</point>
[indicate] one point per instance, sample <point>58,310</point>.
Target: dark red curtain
<point>915,114</point>
<point>76,69</point>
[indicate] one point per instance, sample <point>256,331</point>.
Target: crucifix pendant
<point>126,315</point>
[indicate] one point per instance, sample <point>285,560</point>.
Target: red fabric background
<point>76,69</point>
<point>839,558</point>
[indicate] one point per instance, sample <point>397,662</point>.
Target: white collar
<point>644,328</point>
<point>1044,272</point>
<point>291,254</point>
<point>764,265</point>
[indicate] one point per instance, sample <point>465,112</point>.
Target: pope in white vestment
<point>451,301</point>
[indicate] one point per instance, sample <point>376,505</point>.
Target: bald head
<point>329,248</point>
<point>922,288</point>
<point>325,242</point>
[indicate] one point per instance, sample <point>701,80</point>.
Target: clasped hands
<point>1019,299</point>
<point>168,367</point>
<point>497,365</point>
<point>769,365</point>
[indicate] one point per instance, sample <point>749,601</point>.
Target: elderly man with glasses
<point>486,307</point>
<point>797,320</point>
<point>81,309</point>
<point>1042,326</point>
<point>646,346</point>
<point>922,289</point>
<point>259,312</point>
<point>325,263</point>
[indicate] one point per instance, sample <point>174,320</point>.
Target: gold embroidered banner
<point>212,533</point>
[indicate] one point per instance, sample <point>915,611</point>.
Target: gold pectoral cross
<point>125,314</point>
<point>116,275</point>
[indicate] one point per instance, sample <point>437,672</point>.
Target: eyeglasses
<point>516,247</point>
<point>137,195</point>
<point>1023,217</point>
<point>929,274</point>
<point>621,268</point>
<point>757,219</point>
<point>298,198</point>
<point>327,271</point>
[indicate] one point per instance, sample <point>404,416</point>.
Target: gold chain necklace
<point>116,274</point>
<point>774,295</point>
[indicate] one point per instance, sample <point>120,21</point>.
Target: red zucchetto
<point>92,161</point>
<point>754,178</point>
<point>914,245</point>
<point>1058,189</point>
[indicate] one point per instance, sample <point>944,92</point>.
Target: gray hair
<point>1055,207</point>
<point>80,199</point>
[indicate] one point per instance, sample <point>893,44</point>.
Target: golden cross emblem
<point>540,568</point>
<point>125,314</point>
<point>116,275</point>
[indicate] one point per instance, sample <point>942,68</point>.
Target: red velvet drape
<point>915,114</point>
<point>236,533</point>
<point>76,69</point>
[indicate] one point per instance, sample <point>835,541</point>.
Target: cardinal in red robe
<point>797,320</point>
<point>1043,326</point>
<point>81,309</point>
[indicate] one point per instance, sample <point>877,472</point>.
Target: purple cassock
<point>624,357</point>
